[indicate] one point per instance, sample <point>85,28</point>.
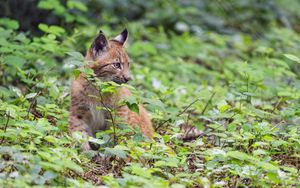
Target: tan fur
<point>84,115</point>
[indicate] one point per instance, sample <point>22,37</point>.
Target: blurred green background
<point>226,17</point>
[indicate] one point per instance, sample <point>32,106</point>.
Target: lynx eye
<point>117,65</point>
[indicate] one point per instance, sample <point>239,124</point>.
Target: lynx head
<point>109,60</point>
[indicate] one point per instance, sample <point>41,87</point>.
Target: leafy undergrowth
<point>243,94</point>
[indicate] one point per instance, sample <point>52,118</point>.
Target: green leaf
<point>268,138</point>
<point>73,166</point>
<point>48,175</point>
<point>45,4</point>
<point>52,166</point>
<point>96,140</point>
<point>266,166</point>
<point>43,27</point>
<point>116,152</point>
<point>137,170</point>
<point>166,164</point>
<point>9,23</point>
<point>223,106</point>
<point>52,5</point>
<point>274,177</point>
<point>238,155</point>
<point>138,137</point>
<point>53,29</point>
<point>77,5</point>
<point>14,60</point>
<point>292,57</point>
<point>87,71</point>
<point>76,55</point>
<point>133,107</point>
<point>30,95</point>
<point>132,104</point>
<point>51,139</point>
<point>76,73</point>
<point>56,30</point>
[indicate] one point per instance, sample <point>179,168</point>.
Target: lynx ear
<point>99,45</point>
<point>122,37</point>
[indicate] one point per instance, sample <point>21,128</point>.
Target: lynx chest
<point>98,117</point>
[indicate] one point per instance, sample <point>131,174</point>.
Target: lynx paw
<point>86,146</point>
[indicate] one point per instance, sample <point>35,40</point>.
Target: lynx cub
<point>111,63</point>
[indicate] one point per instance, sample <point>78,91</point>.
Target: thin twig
<point>5,127</point>
<point>32,103</point>
<point>161,124</point>
<point>111,117</point>
<point>206,105</point>
<point>109,112</point>
<point>248,85</point>
<point>276,105</point>
<point>186,108</point>
<point>179,114</point>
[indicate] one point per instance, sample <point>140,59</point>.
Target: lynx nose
<point>127,78</point>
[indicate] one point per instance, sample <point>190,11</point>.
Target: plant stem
<point>5,127</point>
<point>206,105</point>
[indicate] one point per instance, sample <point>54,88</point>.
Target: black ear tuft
<point>122,37</point>
<point>99,45</point>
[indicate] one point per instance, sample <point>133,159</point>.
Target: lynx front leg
<point>77,124</point>
<point>140,120</point>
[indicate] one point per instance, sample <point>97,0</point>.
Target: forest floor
<point>241,94</point>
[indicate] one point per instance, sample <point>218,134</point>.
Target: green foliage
<point>217,74</point>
